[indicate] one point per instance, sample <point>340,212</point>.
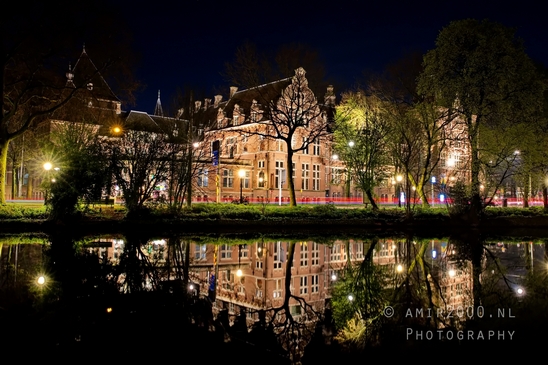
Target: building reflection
<point>250,277</point>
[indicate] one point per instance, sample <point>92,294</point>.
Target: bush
<point>16,211</point>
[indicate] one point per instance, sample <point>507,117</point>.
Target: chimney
<point>180,113</point>
<point>197,105</point>
<point>217,100</point>
<point>329,98</point>
<point>207,102</point>
<point>233,90</point>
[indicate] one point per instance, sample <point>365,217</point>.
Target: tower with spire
<point>158,111</point>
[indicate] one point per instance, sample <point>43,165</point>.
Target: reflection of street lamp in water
<point>239,271</point>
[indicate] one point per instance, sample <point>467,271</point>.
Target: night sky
<point>186,45</point>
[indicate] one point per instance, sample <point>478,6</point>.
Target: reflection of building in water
<point>453,275</point>
<point>315,268</point>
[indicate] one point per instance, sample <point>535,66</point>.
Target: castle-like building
<point>259,145</point>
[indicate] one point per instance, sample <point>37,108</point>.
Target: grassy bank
<point>16,211</point>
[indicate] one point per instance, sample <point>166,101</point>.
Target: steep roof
<point>85,74</point>
<point>263,95</point>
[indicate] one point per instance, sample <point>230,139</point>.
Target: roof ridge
<point>263,85</point>
<point>98,73</point>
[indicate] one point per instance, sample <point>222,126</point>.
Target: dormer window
<point>90,86</point>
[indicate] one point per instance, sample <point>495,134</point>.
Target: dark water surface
<point>291,299</point>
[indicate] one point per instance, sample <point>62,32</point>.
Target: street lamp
<point>116,130</point>
<point>433,180</point>
<point>241,174</point>
<point>41,280</point>
<point>399,178</point>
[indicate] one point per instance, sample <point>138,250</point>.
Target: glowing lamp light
<point>442,198</point>
<point>434,254</point>
<point>351,144</point>
<point>109,310</point>
<point>350,297</point>
<point>520,291</point>
<point>239,273</point>
<point>399,268</point>
<point>48,166</point>
<point>41,280</point>
<point>333,277</point>
<point>452,273</point>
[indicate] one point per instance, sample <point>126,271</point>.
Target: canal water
<point>294,299</point>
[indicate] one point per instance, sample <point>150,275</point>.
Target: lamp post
<point>47,167</point>
<point>399,178</point>
<point>433,180</point>
<point>241,174</point>
<point>348,174</point>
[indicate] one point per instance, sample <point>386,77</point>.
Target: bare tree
<point>35,45</point>
<point>140,161</point>
<point>291,116</point>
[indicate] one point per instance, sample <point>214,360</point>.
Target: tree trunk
<point>422,195</point>
<point>30,186</point>
<point>4,143</point>
<point>14,182</point>
<point>290,182</point>
<point>369,195</point>
<point>476,205</point>
<point>545,197</point>
<point>288,276</point>
<point>526,194</point>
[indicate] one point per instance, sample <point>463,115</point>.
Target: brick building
<point>249,136</point>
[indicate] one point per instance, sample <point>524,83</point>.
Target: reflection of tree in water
<point>413,278</point>
<point>294,330</point>
<point>137,271</point>
<point>149,286</point>
<point>442,275</point>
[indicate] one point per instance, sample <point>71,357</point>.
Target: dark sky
<point>187,44</point>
